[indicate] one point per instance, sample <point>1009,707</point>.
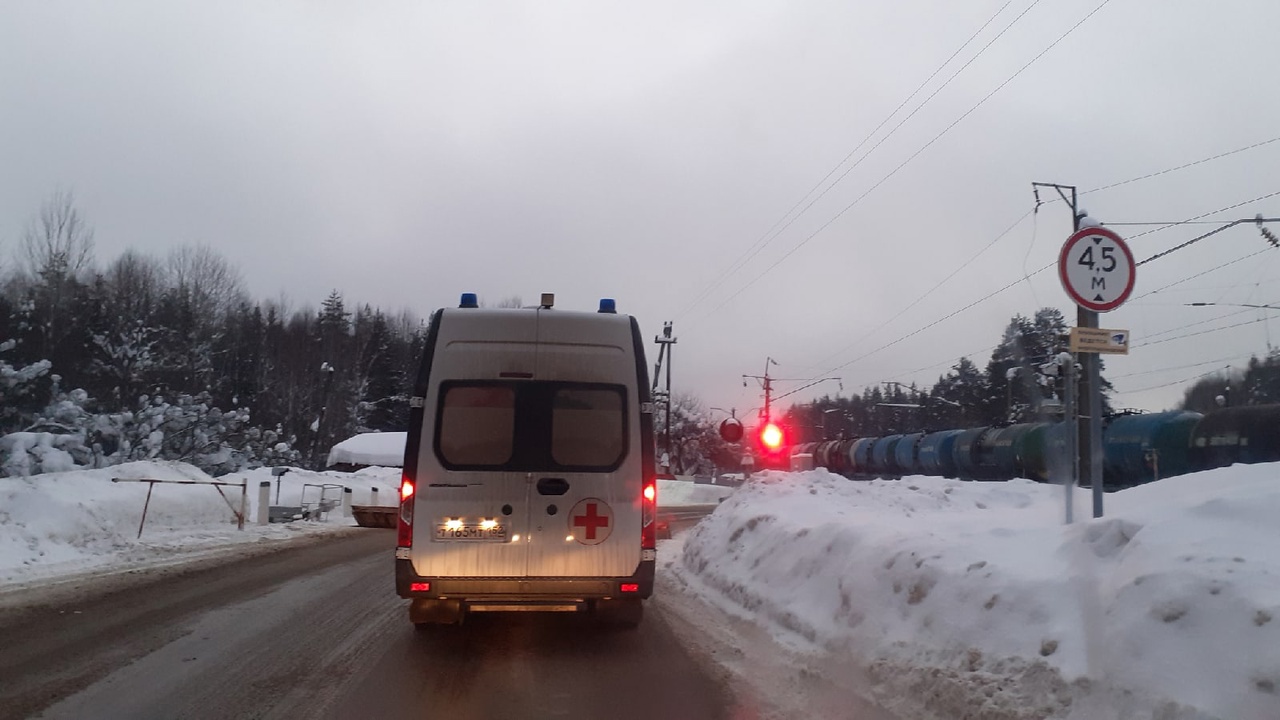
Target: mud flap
<point>619,612</point>
<point>430,611</point>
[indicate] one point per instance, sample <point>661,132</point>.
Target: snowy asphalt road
<point>317,631</point>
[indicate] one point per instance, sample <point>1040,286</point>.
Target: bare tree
<point>135,281</point>
<point>206,280</point>
<point>56,248</point>
<point>57,245</point>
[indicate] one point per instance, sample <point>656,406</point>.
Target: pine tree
<point>384,401</point>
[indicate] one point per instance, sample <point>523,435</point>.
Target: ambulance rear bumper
<point>533,589</point>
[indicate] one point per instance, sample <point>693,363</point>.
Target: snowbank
<point>675,493</point>
<point>26,453</point>
<point>65,523</point>
<point>974,600</point>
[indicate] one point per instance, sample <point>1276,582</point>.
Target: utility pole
<point>1088,383</point>
<point>666,346</point>
<point>766,412</point>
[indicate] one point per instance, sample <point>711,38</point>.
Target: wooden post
<point>150,486</point>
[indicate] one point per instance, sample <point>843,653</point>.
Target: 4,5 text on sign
<point>1097,269</point>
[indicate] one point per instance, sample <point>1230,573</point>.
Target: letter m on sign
<point>1099,284</point>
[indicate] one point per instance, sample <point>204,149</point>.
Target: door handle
<point>553,486</point>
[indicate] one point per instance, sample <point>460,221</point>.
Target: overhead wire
<point>1027,277</point>
<point>1194,324</point>
<point>1037,272</point>
<point>1198,333</point>
<point>770,235</point>
<point>1179,367</point>
<point>1168,384</point>
<point>909,159</point>
<point>929,292</point>
<point>1148,176</point>
<point>1203,273</point>
<point>948,361</point>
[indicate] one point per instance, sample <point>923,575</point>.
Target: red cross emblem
<point>591,521</point>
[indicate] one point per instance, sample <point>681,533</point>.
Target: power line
<point>1165,385</point>
<point>912,157</point>
<point>1201,332</point>
<point>931,290</point>
<point>1026,276</point>
<point>1197,217</point>
<point>1179,367</point>
<point>1203,273</point>
<point>1168,223</point>
<point>1198,322</point>
<point>770,235</point>
<point>1148,176</point>
<point>948,361</point>
<point>1020,280</point>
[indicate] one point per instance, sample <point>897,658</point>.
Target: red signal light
<point>771,436</point>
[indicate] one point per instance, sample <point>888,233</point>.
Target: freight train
<point>1138,448</point>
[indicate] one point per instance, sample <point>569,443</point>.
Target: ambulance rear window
<point>531,426</point>
<point>587,426</point>
<point>477,425</point>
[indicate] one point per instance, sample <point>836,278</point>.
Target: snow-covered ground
<point>674,493</point>
<point>935,598</point>
<point>63,524</point>
<point>948,599</point>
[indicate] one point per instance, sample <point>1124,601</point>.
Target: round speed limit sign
<point>1097,269</point>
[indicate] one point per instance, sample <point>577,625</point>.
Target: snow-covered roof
<point>385,449</point>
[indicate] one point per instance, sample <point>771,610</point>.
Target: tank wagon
<point>1137,448</point>
<point>1249,434</point>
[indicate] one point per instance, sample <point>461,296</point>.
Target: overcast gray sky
<point>405,152</point>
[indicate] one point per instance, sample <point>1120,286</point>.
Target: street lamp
<point>825,413</point>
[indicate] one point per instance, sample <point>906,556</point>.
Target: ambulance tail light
<point>404,525</point>
<point>649,515</point>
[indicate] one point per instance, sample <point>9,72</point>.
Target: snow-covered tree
<point>695,439</point>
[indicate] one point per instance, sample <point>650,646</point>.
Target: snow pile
<point>385,449</point>
<point>26,453</point>
<point>974,600</point>
<point>674,493</point>
<point>64,523</point>
<point>186,428</point>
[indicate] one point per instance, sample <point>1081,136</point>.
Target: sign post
<point>1097,271</point>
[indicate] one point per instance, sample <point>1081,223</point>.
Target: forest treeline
<point>168,357</point>
<point>1020,383</point>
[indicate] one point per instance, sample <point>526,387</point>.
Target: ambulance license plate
<point>471,532</point>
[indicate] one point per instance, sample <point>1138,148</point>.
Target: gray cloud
<point>408,152</point>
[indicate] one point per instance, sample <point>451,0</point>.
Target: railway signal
<point>771,436</point>
<point>731,430</point>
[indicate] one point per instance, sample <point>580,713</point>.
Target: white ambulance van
<point>529,479</point>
